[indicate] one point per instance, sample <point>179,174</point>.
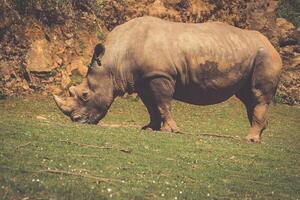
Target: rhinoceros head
<point>89,101</point>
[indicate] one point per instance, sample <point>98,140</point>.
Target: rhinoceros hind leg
<point>257,116</point>
<point>258,93</point>
<point>157,94</point>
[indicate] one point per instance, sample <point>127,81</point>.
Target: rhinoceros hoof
<point>168,128</point>
<point>253,138</point>
<point>151,127</point>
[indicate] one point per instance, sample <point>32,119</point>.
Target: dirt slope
<point>48,54</point>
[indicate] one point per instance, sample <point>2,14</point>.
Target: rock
<point>55,90</point>
<point>157,9</point>
<point>44,93</point>
<point>65,80</point>
<point>69,69</point>
<point>80,66</point>
<point>39,58</point>
<point>69,42</point>
<point>295,62</point>
<point>58,60</point>
<point>284,25</point>
<point>41,117</point>
<point>69,35</point>
<point>4,70</point>
<point>25,85</point>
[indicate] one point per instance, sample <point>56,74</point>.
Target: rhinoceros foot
<point>170,127</point>
<point>253,138</point>
<point>151,127</point>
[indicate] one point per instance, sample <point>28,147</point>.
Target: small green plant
<point>76,77</point>
<point>2,95</point>
<point>82,47</point>
<point>101,35</point>
<point>282,97</point>
<point>290,9</point>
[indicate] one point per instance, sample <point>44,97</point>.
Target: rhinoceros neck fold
<point>122,82</point>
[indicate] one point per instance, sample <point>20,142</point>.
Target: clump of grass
<point>2,95</point>
<point>76,77</point>
<point>290,9</point>
<point>101,35</point>
<point>82,47</point>
<point>282,97</point>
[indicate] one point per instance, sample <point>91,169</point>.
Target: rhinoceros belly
<point>209,84</point>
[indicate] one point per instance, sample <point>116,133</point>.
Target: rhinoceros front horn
<point>62,105</point>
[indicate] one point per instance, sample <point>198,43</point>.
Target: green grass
<point>290,9</point>
<point>143,164</point>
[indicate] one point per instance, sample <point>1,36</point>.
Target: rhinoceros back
<point>209,59</point>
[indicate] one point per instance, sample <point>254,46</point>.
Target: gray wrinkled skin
<point>199,64</point>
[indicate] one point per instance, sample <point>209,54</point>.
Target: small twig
<point>98,179</point>
<point>119,125</point>
<point>210,135</point>
<point>85,145</point>
<point>219,136</point>
<point>95,146</point>
<point>84,155</point>
<point>23,145</point>
<point>253,181</point>
<point>61,172</point>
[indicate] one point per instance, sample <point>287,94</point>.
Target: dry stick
<point>98,179</point>
<point>86,155</point>
<point>94,146</point>
<point>23,145</point>
<point>103,180</point>
<point>253,181</point>
<point>220,136</point>
<point>211,135</point>
<point>85,145</point>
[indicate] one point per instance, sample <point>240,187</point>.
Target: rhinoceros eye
<point>99,61</point>
<point>84,96</point>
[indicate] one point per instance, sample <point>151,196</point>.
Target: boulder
<point>65,80</point>
<point>284,25</point>
<point>4,70</point>
<point>39,57</point>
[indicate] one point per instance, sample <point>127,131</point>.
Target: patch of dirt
<point>38,57</point>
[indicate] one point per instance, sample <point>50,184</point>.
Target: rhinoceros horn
<point>62,105</point>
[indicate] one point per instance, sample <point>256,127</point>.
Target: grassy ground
<point>45,156</point>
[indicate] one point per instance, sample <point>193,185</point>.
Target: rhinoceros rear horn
<point>98,53</point>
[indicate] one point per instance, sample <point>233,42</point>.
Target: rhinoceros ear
<point>99,51</point>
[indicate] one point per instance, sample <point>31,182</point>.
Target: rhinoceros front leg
<point>157,95</point>
<point>155,118</point>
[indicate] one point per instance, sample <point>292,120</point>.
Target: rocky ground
<point>48,54</point>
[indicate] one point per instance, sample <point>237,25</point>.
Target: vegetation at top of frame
<point>56,11</point>
<point>290,9</point>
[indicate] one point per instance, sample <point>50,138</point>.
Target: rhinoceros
<point>199,64</point>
